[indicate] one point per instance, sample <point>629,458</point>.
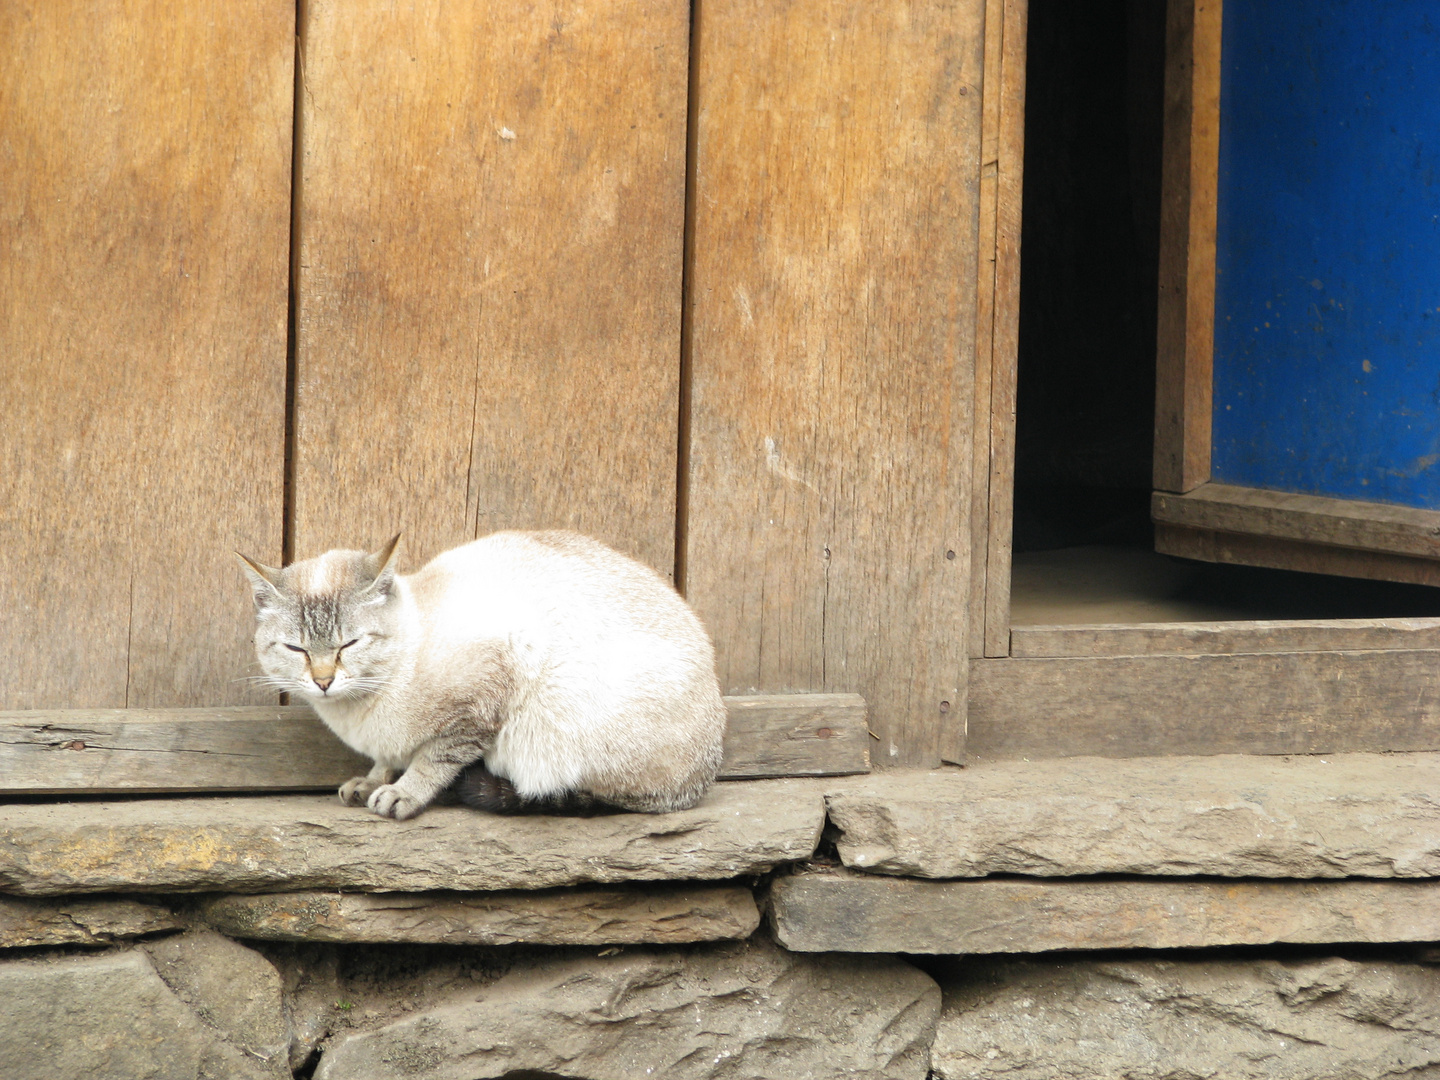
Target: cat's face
<point>326,628</point>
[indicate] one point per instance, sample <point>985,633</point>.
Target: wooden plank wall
<point>832,311</point>
<point>145,171</point>
<point>491,223</point>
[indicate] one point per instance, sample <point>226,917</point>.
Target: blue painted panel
<point>1327,314</point>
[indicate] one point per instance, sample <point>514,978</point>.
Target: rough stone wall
<point>197,1004</point>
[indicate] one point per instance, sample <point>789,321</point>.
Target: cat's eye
<point>292,648</point>
<point>352,641</point>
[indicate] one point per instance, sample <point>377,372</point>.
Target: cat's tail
<point>478,787</point>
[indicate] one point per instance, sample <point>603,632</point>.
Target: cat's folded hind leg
<point>356,791</point>
<point>433,768</point>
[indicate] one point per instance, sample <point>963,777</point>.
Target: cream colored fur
<point>566,666</point>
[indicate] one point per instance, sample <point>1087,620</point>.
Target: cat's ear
<point>264,581</point>
<point>381,564</point>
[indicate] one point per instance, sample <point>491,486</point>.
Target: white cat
<point>544,657</point>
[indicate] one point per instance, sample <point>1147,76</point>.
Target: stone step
<point>295,842</point>
<point>844,911</point>
<point>588,915</point>
<point>1345,815</point>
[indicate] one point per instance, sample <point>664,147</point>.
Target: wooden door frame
<point>1196,517</point>
<point>997,338</point>
<point>1124,690</point>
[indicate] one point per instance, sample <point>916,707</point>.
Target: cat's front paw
<point>390,801</point>
<point>357,791</point>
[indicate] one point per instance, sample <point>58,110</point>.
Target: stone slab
<point>1219,1019</point>
<point>1344,815</point>
<point>737,1010</point>
<point>268,843</point>
<point>27,922</point>
<point>234,990</point>
<point>112,1015</point>
<point>851,912</point>
<point>657,914</point>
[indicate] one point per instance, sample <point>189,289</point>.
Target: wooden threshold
<point>1253,703</point>
<point>277,748</point>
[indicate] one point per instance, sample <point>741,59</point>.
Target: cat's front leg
<point>357,791</point>
<point>433,768</point>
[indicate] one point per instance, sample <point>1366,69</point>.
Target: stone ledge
<point>848,912</point>
<point>654,914</point>
<point>295,842</point>
<point>1224,1019</point>
<point>1344,815</point>
<point>26,923</point>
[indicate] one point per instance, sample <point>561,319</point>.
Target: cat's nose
<point>324,683</point>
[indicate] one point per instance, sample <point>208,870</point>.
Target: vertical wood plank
<point>985,321</point>
<point>833,318</point>
<point>489,282</point>
<point>1010,158</point>
<point>1189,175</point>
<point>145,165</point>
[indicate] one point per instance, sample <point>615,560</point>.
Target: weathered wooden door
<point>501,314</point>
<point>144,220</point>
<point>1299,415</point>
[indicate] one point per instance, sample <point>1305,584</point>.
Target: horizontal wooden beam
<point>1314,519</point>
<point>848,912</point>
<point>1247,549</point>
<point>1137,706</point>
<point>280,748</point>
<point>1225,638</point>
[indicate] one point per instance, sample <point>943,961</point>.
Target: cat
<point>548,665</point>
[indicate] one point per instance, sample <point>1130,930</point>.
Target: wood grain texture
<point>985,320</point>
<point>244,748</point>
<point>1225,638</point>
<point>145,165</point>
<point>848,912</point>
<point>1190,165</point>
<point>1313,519</point>
<point>1006,340</point>
<point>833,317</point>
<point>287,748</point>
<point>1134,706</point>
<point>795,735</point>
<point>1246,549</point>
<point>489,272</point>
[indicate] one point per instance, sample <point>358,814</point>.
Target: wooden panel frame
<point>1190,166</point>
<point>1314,533</point>
<point>997,337</point>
